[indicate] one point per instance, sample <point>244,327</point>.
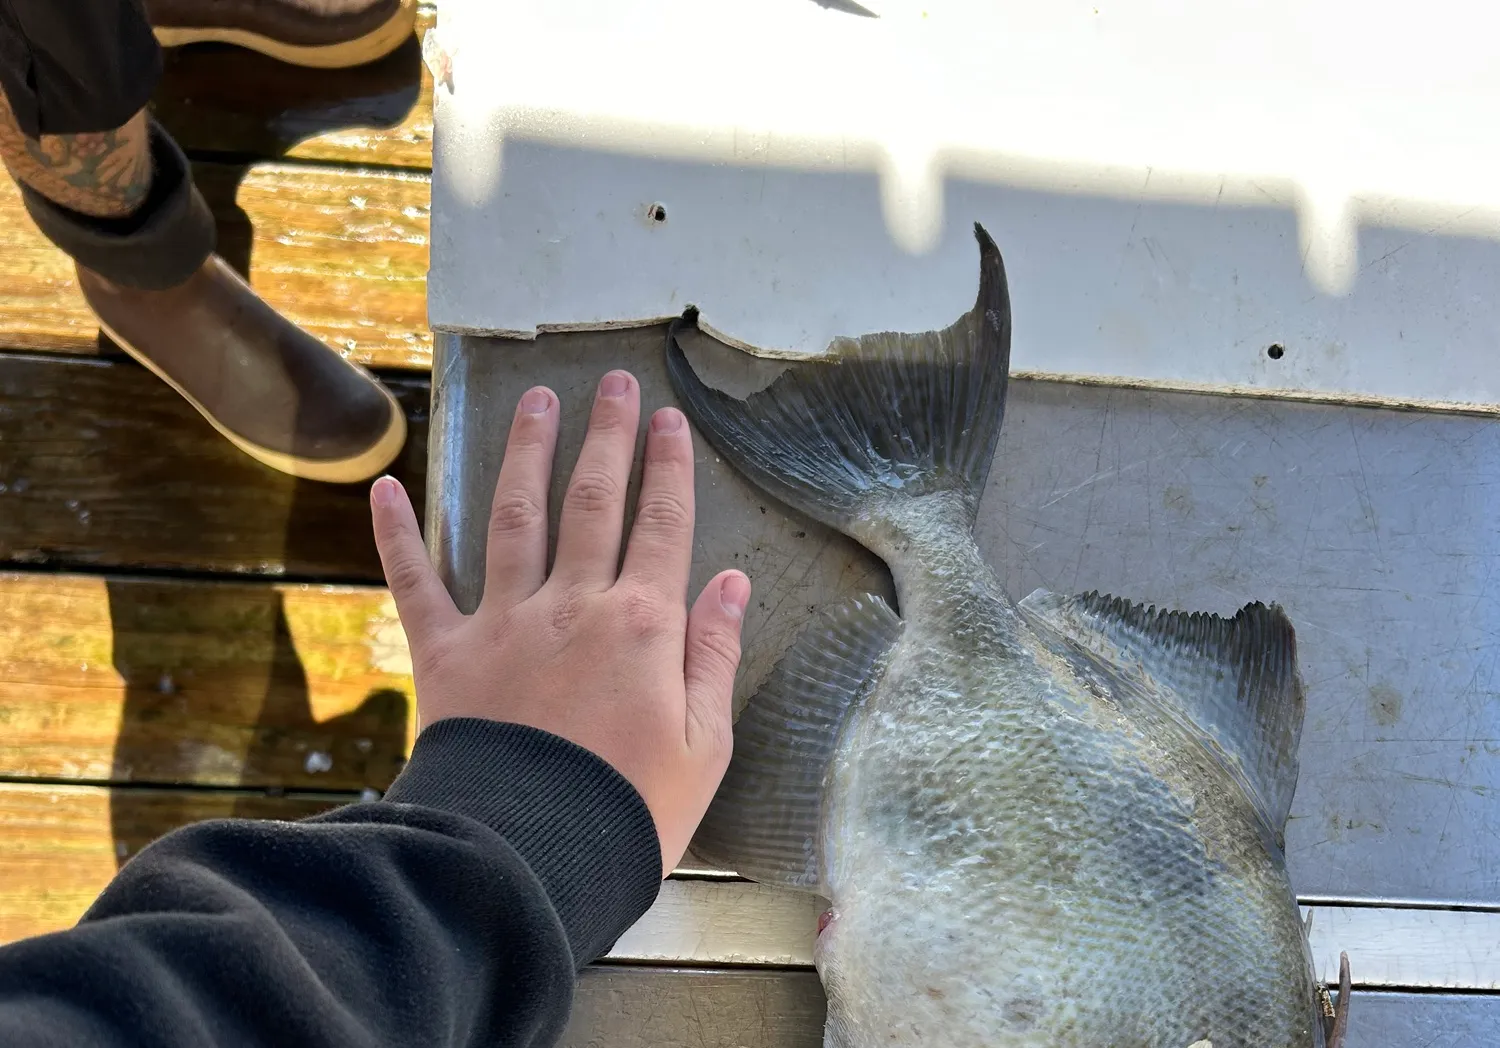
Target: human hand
<point>609,658</point>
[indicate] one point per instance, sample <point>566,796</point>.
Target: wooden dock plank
<point>64,843</point>
<point>628,1007</point>
<point>67,839</point>
<point>223,684</point>
<point>650,1007</point>
<point>741,923</point>
<point>105,467</point>
<point>230,100</point>
<point>343,252</point>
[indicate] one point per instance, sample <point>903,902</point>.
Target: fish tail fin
<point>884,416</point>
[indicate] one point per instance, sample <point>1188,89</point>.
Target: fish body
<point>1049,824</point>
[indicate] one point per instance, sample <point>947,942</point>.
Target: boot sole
<point>351,470</point>
<point>377,43</point>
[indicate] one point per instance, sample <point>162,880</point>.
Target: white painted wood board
<point>707,922</point>
<point>1176,187</point>
<point>630,1006</point>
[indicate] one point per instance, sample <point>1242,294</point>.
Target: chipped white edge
<point>530,334</point>
<point>738,923</point>
<point>629,324</point>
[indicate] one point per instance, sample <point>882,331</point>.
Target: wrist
<point>581,827</point>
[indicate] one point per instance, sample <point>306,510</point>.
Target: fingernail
<point>667,420</point>
<point>385,491</point>
<point>536,401</point>
<point>734,594</point>
<point>615,384</point>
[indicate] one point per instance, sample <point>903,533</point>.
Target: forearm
<point>455,912</point>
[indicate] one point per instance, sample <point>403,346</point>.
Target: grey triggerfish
<point>1055,823</point>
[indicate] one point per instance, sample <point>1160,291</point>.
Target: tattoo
<point>100,173</point>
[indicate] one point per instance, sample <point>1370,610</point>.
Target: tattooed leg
<point>101,173</point>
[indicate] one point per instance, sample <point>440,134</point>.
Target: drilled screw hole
<point>1275,351</point>
<point>658,212</point>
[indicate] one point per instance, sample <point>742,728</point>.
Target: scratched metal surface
<point>795,563</point>
<point>1411,1020</point>
<point>1376,529</point>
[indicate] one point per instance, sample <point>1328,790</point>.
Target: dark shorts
<point>70,66</point>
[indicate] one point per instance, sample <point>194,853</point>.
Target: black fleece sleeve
<point>455,911</point>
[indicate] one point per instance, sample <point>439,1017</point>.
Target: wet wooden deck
<point>187,634</point>
<point>184,632</point>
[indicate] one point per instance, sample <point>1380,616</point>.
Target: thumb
<point>711,659</point>
<point>421,599</point>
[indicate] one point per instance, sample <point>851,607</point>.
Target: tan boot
<point>273,390</point>
<point>326,34</point>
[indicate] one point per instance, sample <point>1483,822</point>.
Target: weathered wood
<point>62,844</point>
<point>226,684</point>
<point>740,923</point>
<point>616,1007</point>
<point>230,100</point>
<point>103,465</point>
<point>620,1007</point>
<point>734,922</point>
<point>342,252</point>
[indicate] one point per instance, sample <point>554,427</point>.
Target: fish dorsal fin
<point>1235,679</point>
<point>766,819</point>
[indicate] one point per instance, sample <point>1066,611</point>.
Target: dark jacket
<point>455,911</point>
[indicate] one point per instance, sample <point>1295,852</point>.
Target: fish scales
<point>1047,824</point>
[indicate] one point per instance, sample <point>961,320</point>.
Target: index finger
<point>660,550</point>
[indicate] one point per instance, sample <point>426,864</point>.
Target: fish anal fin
<point>1235,678</point>
<point>766,819</point>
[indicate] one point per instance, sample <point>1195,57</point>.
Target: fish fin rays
<point>766,820</point>
<point>883,414</point>
<point>1235,678</point>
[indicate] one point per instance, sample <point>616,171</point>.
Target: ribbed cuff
<point>159,245</point>
<point>581,827</point>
